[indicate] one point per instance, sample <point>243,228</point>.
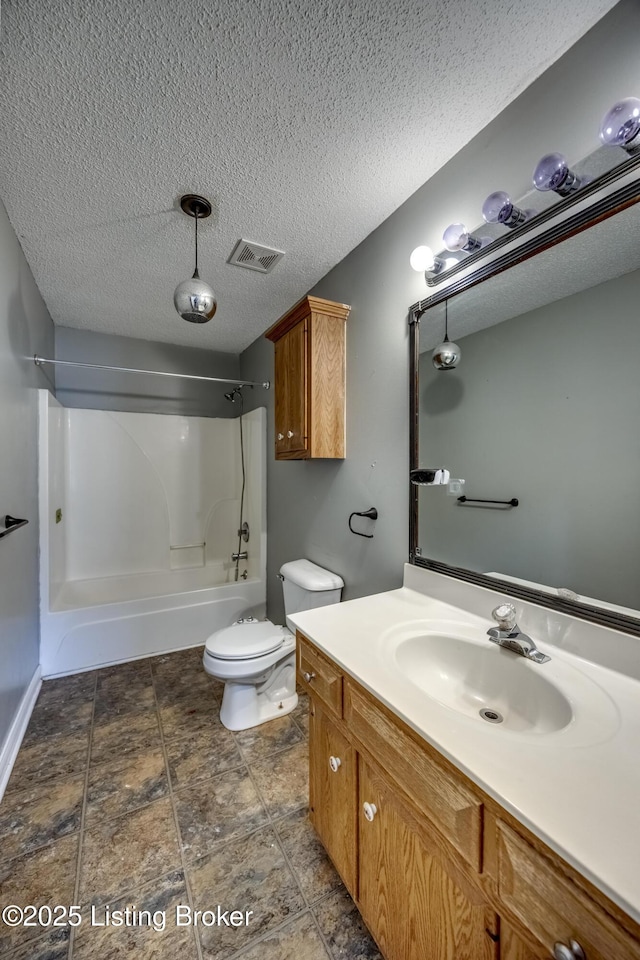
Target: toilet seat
<point>246,641</point>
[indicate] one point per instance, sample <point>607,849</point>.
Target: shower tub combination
<point>140,561</point>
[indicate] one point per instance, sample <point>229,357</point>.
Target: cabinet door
<point>291,393</point>
<point>333,793</point>
<point>408,898</point>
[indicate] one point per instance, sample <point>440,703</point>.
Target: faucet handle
<point>504,615</point>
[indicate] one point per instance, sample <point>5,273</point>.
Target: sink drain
<point>492,716</point>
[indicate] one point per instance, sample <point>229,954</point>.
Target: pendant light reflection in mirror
<point>194,299</point>
<point>447,354</point>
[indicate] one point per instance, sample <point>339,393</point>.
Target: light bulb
<point>553,173</point>
<point>620,126</point>
<point>498,208</point>
<point>457,237</point>
<point>423,261</point>
<point>446,355</point>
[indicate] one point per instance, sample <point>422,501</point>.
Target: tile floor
<point>128,792</point>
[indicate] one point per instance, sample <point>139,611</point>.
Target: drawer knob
<point>335,763</point>
<point>289,434</point>
<point>309,677</point>
<point>572,952</point>
<point>281,436</point>
<point>370,811</point>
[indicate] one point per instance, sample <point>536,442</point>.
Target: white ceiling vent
<point>254,256</point>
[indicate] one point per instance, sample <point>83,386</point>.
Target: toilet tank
<point>306,585</point>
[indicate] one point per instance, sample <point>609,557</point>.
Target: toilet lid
<point>242,641</point>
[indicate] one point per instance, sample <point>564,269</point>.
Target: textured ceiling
<point>305,123</point>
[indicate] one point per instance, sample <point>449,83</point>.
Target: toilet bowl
<point>257,659</point>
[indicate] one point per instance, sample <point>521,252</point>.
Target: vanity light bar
<point>620,127</point>
<point>625,195</point>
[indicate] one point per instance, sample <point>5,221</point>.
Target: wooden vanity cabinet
<point>438,870</point>
<point>310,380</point>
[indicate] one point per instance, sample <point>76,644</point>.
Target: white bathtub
<point>95,623</point>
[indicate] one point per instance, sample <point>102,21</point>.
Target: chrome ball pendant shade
<point>194,299</point>
<point>447,354</point>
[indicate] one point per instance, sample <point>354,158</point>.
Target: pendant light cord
<point>195,272</point>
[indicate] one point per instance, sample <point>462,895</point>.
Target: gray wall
<point>25,329</point>
<point>545,408</point>
<point>106,390</point>
<point>309,503</point>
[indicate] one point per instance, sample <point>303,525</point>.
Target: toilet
<point>257,659</point>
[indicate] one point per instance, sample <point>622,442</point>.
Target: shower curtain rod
<point>154,373</point>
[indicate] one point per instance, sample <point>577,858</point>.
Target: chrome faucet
<point>508,634</point>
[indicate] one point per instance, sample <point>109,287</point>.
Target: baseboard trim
<point>17,730</point>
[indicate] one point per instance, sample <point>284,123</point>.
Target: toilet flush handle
<point>309,677</point>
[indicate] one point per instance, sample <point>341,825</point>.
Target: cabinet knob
<point>281,436</point>
<point>289,434</point>
<point>370,811</point>
<point>572,952</point>
<point>309,677</point>
<point>335,763</point>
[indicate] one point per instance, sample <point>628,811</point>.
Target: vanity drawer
<point>319,676</point>
<point>553,908</point>
<point>438,794</point>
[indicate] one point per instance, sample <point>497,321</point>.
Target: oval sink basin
<point>484,681</point>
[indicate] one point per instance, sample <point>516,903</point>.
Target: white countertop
<point>578,792</point>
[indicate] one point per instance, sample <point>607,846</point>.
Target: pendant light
<point>446,355</point>
<point>194,299</point>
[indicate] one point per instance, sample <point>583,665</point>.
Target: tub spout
<point>239,556</point>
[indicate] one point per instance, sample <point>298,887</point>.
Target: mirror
<point>544,407</point>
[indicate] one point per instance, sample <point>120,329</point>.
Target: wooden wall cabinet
<point>310,343</point>
<point>438,870</point>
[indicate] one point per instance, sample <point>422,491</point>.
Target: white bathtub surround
<point>575,786</point>
<point>141,562</point>
<point>17,730</point>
